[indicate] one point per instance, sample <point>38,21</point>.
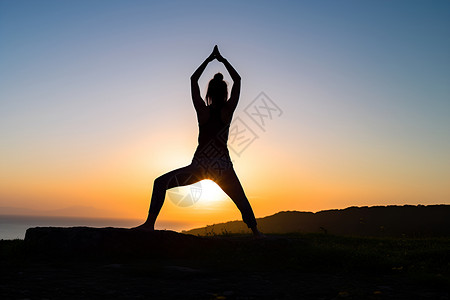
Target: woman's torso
<point>212,139</point>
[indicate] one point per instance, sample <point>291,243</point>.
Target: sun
<point>211,191</point>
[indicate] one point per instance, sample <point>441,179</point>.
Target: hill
<point>407,220</point>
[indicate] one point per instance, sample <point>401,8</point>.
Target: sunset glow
<point>211,192</point>
<point>95,103</point>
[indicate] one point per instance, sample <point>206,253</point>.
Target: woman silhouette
<point>211,158</point>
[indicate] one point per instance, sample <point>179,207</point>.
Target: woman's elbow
<point>194,77</point>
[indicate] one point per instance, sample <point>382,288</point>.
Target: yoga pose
<point>211,158</point>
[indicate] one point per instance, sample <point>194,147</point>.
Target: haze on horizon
<point>87,89</point>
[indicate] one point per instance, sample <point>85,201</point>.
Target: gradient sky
<point>95,102</point>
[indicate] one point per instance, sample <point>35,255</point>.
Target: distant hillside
<point>407,220</point>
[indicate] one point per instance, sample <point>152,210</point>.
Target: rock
<point>107,242</point>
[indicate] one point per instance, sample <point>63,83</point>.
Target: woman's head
<point>217,93</point>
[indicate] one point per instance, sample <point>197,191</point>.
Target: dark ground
<point>290,266</point>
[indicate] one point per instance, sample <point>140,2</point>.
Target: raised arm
<point>236,89</point>
<point>199,104</point>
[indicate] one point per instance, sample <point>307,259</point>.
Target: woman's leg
<point>179,177</point>
<point>230,184</point>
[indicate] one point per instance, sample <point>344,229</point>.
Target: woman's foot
<point>146,227</point>
<point>256,233</point>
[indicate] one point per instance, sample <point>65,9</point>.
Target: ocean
<point>14,227</point>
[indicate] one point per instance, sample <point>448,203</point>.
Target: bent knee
<point>161,181</point>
